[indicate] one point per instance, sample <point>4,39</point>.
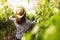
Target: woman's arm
<point>35,21</point>
<point>31,24</point>
<point>12,18</point>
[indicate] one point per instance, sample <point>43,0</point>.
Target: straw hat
<point>21,12</point>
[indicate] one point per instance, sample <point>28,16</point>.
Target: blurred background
<point>47,13</point>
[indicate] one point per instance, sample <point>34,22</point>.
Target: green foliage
<point>48,21</point>
<point>30,16</point>
<point>47,14</point>
<point>3,1</point>
<point>5,23</point>
<point>46,18</point>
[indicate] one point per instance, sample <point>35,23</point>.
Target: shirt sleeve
<point>12,19</point>
<point>31,24</point>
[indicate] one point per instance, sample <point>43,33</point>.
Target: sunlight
<point>28,6</point>
<point>35,29</point>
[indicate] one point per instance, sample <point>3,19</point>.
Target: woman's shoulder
<point>28,21</point>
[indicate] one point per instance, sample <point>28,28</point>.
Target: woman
<point>21,23</point>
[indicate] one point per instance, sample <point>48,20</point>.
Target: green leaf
<point>4,1</point>
<point>28,1</point>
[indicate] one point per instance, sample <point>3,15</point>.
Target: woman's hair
<point>22,13</point>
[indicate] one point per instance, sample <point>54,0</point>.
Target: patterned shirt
<point>22,28</point>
